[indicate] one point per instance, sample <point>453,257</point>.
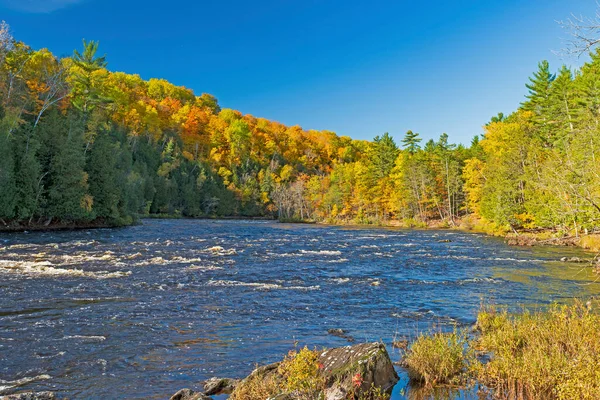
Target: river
<point>143,311</point>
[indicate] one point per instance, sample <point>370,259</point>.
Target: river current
<point>143,311</point>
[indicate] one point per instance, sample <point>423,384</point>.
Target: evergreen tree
<point>68,199</point>
<point>411,142</point>
<point>384,154</point>
<point>102,173</point>
<point>539,101</point>
<point>8,186</point>
<point>27,178</point>
<point>85,94</point>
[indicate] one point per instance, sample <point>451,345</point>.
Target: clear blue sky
<point>359,68</point>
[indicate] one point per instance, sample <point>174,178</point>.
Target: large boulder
<point>345,371</point>
<point>363,366</point>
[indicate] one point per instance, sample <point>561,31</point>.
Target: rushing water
<point>141,312</point>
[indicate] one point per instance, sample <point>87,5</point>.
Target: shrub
<point>257,387</point>
<point>542,355</point>
<point>440,358</point>
<point>302,371</point>
<point>590,242</point>
<point>299,373</point>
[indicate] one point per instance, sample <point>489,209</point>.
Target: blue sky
<point>359,68</point>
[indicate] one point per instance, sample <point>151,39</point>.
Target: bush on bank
<point>553,354</point>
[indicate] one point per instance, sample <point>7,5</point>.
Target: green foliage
<point>411,142</point>
<point>67,196</point>
<point>102,177</point>
<point>7,178</point>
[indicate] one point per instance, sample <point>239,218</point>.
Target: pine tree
<point>384,154</point>
<point>411,142</point>
<point>562,104</point>
<point>85,94</point>
<point>539,101</point>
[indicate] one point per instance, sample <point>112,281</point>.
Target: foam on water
<point>5,385</point>
<point>46,268</point>
<point>240,294</point>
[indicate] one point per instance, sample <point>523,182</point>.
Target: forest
<point>81,145</point>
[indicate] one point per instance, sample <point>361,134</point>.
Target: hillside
<point>81,145</point>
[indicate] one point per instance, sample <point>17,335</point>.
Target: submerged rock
<point>220,386</point>
<point>347,371</point>
<point>400,344</point>
<point>341,334</point>
<point>572,260</point>
<point>188,394</point>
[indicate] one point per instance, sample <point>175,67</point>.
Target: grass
<point>439,358</point>
<point>541,355</point>
<point>591,242</point>
<point>552,354</point>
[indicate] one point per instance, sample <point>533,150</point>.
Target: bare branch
<point>584,33</point>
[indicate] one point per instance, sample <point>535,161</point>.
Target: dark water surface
<point>141,312</point>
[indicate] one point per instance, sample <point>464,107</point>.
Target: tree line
<point>80,144</point>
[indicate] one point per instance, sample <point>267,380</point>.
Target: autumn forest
<point>82,145</point>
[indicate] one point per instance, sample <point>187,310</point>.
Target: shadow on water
<point>143,311</point>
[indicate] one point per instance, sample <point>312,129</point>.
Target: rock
<point>340,333</point>
<point>369,361</point>
<point>188,394</point>
<point>30,396</point>
<point>400,344</point>
<point>219,386</point>
<point>335,393</point>
<point>349,370</point>
<point>521,241</point>
<point>572,259</point>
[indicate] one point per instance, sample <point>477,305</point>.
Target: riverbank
<point>14,227</point>
<point>46,225</point>
<point>539,237</point>
<point>525,238</point>
<point>552,354</point>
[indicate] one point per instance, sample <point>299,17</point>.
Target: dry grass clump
<point>590,242</point>
<point>257,386</point>
<point>440,358</point>
<point>542,355</point>
<point>299,373</point>
<point>553,354</point>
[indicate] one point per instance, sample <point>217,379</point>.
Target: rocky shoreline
<point>359,371</point>
<point>346,372</point>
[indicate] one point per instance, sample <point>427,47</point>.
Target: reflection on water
<point>141,312</point>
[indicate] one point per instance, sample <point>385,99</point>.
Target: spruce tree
<point>102,173</point>
<point>68,200</point>
<point>8,188</point>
